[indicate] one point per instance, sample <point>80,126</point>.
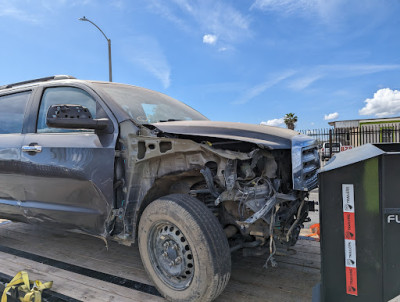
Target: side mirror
<point>74,117</point>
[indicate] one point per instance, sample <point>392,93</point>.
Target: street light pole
<point>109,47</point>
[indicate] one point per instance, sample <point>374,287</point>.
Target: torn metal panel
<point>160,166</point>
<point>242,188</point>
<point>269,137</point>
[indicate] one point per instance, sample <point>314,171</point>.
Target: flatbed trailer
<point>83,268</point>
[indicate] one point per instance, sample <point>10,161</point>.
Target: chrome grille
<point>305,163</point>
<point>310,166</point>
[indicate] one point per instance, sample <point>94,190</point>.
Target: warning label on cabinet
<point>350,239</point>
<point>351,281</point>
<point>349,226</point>
<point>348,198</point>
<point>350,253</point>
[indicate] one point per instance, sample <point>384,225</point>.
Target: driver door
<point>69,173</point>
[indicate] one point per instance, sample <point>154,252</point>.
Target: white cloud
<point>287,6</point>
<point>326,11</point>
<point>38,13</point>
<point>57,4</point>
<point>385,102</point>
<point>145,52</point>
<point>260,88</point>
<point>210,39</point>
<point>218,17</point>
<point>343,70</point>
<point>274,122</point>
<point>168,12</point>
<point>9,9</point>
<point>303,82</point>
<point>313,74</point>
<point>331,116</point>
<point>332,12</point>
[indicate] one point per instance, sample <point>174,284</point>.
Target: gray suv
<point>134,165</point>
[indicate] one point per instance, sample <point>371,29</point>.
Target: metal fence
<point>357,136</point>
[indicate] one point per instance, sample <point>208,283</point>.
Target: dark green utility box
<point>359,197</point>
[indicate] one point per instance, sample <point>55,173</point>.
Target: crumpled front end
<point>259,197</point>
<point>257,193</point>
<point>264,197</point>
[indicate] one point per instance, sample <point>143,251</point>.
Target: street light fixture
<point>109,47</point>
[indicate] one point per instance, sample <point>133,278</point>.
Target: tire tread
<point>215,238</point>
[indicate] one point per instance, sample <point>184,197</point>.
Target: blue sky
<point>246,61</point>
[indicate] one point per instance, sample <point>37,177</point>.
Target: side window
<point>12,112</point>
<point>63,95</point>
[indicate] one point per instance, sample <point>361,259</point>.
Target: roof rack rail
<point>52,78</point>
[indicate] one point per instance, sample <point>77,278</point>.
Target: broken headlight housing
<point>305,163</point>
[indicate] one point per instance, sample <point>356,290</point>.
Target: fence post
<point>330,143</point>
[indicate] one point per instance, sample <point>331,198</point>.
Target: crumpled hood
<point>270,137</point>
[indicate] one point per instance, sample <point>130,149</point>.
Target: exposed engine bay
<point>256,203</point>
<point>249,188</point>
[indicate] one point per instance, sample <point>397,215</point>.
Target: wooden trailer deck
<point>83,269</point>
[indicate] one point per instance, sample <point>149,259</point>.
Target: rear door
<point>69,173</point>
<point>12,111</point>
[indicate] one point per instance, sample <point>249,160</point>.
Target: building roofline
<point>365,119</point>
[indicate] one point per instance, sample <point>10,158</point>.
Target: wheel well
<point>170,184</point>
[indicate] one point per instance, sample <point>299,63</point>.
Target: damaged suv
<point>131,164</point>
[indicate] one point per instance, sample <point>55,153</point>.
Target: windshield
<point>146,106</point>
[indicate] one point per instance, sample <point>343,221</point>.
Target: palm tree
<point>290,120</point>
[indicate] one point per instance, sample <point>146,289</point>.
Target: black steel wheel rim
<point>171,255</point>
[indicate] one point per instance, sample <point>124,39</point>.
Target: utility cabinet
<point>359,195</point>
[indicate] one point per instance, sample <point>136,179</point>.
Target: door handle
<point>35,148</point>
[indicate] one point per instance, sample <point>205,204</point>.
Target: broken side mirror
<point>74,117</point>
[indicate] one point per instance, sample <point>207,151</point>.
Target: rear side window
<point>12,112</point>
<point>59,96</point>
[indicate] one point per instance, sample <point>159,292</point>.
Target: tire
<point>184,249</point>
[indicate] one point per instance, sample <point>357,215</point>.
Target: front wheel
<point>184,249</point>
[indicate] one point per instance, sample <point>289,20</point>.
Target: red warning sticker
<point>349,226</point>
<point>351,281</point>
<point>350,239</point>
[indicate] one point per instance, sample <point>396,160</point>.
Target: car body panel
<point>11,175</point>
<point>70,182</point>
<point>267,136</point>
